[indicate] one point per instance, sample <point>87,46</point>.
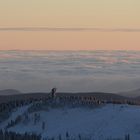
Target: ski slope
<point>108,121</point>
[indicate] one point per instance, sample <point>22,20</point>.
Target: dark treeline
<point>5,135</point>
<point>26,136</point>
<point>68,136</point>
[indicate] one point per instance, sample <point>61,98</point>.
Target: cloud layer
<point>108,71</point>
<point>62,29</point>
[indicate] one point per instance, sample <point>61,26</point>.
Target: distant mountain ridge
<point>12,94</point>
<point>133,93</point>
<point>9,92</point>
<point>38,95</point>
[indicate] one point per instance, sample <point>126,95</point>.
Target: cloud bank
<point>62,29</point>
<point>74,71</point>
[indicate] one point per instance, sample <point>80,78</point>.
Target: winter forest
<point>33,108</point>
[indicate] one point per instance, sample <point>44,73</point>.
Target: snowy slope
<point>15,113</point>
<point>99,124</point>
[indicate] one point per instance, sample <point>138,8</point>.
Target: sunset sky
<point>108,24</point>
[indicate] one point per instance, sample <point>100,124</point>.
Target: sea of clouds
<point>71,71</point>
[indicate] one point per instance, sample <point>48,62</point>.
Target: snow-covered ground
<point>15,113</point>
<point>109,121</point>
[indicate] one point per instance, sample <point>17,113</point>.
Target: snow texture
<point>108,121</point>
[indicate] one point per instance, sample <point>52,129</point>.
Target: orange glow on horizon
<point>69,41</point>
<point>74,13</point>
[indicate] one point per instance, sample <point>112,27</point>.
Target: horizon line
<point>64,29</point>
<point>69,50</point>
